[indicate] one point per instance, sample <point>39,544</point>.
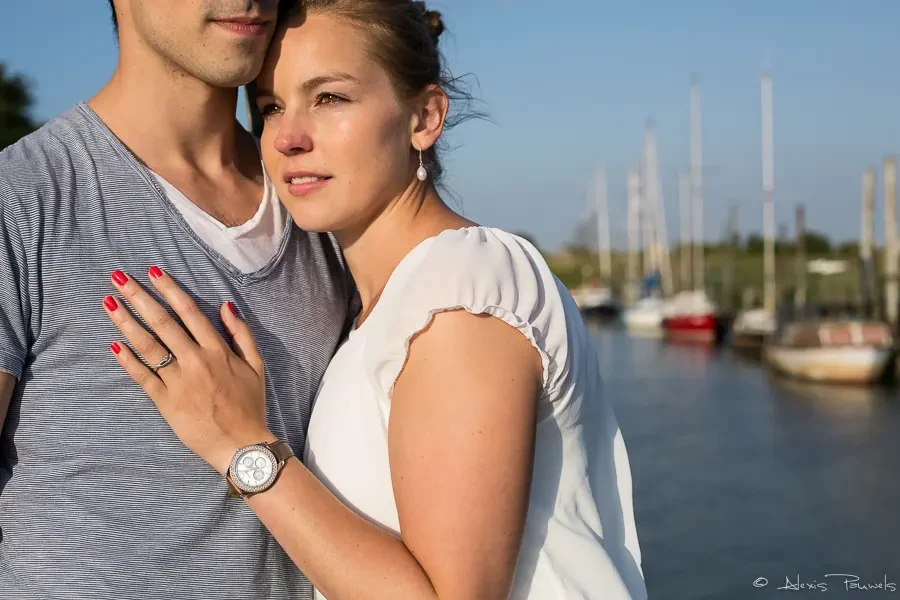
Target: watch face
<point>253,469</point>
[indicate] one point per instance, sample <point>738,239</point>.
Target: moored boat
<point>645,316</point>
<point>750,330</point>
<point>693,318</point>
<point>849,351</point>
<point>596,301</point>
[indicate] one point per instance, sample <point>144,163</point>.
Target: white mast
<point>648,237</point>
<point>603,242</point>
<point>890,240</point>
<point>768,174</point>
<point>684,208</point>
<point>697,185</point>
<point>634,217</point>
<point>654,203</point>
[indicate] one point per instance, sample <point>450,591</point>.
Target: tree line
<point>584,242</point>
<point>16,102</point>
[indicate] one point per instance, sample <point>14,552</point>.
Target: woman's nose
<point>292,137</point>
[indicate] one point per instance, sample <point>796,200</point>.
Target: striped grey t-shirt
<point>98,498</point>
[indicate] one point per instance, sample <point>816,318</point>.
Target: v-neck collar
<point>159,195</point>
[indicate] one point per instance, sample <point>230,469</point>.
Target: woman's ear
<point>429,116</point>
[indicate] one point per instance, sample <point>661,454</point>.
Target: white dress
<point>580,539</point>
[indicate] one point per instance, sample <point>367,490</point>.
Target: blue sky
<point>569,86</point>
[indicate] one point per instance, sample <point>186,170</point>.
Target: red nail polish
<point>110,303</point>
<point>115,347</point>
<point>119,277</point>
<point>231,308</point>
<point>155,272</point>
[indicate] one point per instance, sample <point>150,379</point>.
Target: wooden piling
<point>800,266</point>
<point>866,242</point>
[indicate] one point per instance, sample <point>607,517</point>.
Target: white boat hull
<point>837,364</point>
<point>643,320</point>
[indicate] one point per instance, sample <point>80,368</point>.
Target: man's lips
<point>243,25</point>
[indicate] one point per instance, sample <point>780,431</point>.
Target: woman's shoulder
<point>491,260</point>
<point>481,270</point>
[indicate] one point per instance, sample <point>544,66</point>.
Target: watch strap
<point>233,490</point>
<point>281,450</point>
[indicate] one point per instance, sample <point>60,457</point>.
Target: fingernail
<point>110,303</point>
<point>155,272</point>
<point>231,307</point>
<point>119,277</point>
<point>115,347</point>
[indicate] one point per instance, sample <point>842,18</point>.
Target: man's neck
<point>167,117</point>
<point>185,131</point>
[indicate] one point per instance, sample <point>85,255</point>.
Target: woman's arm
<point>461,442</point>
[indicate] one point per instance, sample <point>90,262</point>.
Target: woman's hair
<point>115,20</point>
<point>403,38</point>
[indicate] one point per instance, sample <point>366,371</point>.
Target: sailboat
<point>692,317</point>
<point>647,313</point>
<point>596,298</point>
<point>750,330</point>
<point>752,327</point>
<point>840,349</point>
<point>848,351</point>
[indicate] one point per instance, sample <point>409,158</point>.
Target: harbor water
<point>749,486</point>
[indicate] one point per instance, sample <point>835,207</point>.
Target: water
<point>740,476</point>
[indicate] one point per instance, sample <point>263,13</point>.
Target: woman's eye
<point>328,98</point>
<point>269,110</point>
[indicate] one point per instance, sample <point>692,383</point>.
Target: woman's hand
<point>213,398</point>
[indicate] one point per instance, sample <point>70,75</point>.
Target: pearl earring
<point>421,173</point>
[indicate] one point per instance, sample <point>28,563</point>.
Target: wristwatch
<point>255,468</point>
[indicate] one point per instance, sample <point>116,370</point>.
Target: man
<point>98,499</point>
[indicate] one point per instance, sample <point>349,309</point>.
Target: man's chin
<point>232,82</point>
<point>233,74</point>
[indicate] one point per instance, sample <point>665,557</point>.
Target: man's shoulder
<point>46,161</point>
<point>62,140</point>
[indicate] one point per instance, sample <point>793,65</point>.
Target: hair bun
<point>433,21</point>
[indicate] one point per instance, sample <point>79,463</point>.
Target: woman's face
<point>336,140</point>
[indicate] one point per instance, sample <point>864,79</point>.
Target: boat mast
<point>890,241</point>
<point>697,185</point>
<point>634,223</point>
<point>648,239</point>
<point>653,201</point>
<point>603,243</point>
<point>732,239</point>
<point>684,208</point>
<point>768,175</point>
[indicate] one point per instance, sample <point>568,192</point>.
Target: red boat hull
<point>695,329</point>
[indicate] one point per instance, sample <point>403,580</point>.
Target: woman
<point>459,446</point>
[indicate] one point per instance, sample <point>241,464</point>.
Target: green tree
<point>754,244</point>
<point>15,108</point>
<point>849,248</point>
<point>817,243</point>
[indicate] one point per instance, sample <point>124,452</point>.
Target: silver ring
<point>166,360</point>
